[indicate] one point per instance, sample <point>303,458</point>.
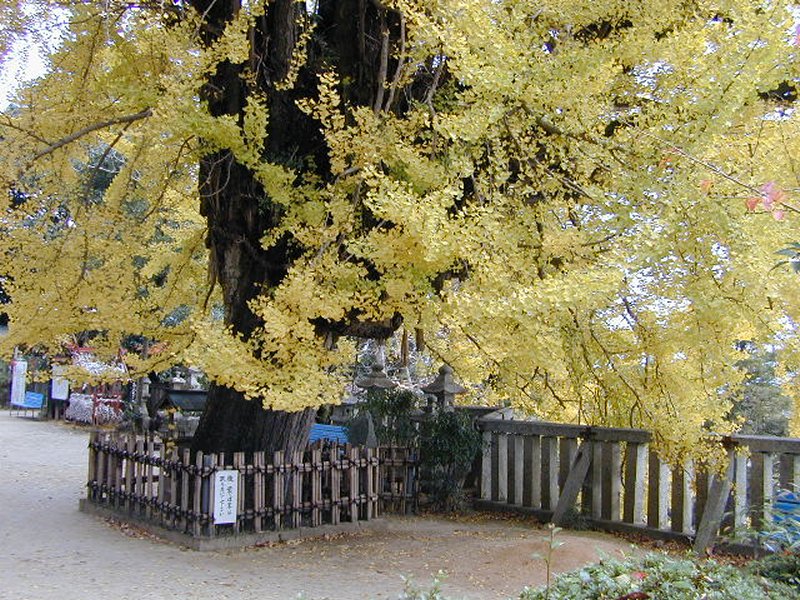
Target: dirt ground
<point>50,550</point>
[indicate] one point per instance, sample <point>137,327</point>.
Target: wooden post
<point>336,486</point>
<point>715,507</point>
<point>278,489</point>
<point>139,471</point>
<point>597,480</point>
<point>376,478</point>
<point>183,518</point>
<point>486,466</point>
<point>635,466</point>
<point>612,483</point>
<point>533,454</point>
<point>568,448</point>
<point>682,499</point>
<point>316,487</point>
<point>91,483</point>
<point>549,472</point>
<point>111,472</point>
<point>199,480</point>
<point>740,516</point>
<point>119,472</point>
<point>173,487</point>
<point>519,468</point>
<point>761,487</point>
<point>502,468</point>
<point>103,469</point>
<point>129,483</point>
<point>259,460</point>
<point>573,483</point>
<point>370,481</point>
<point>148,486</point>
<point>658,492</point>
<point>162,485</point>
<point>354,491</point>
<point>768,493</point>
<point>296,475</point>
<point>238,465</point>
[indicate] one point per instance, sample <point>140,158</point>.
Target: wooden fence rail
<point>614,479</point>
<point>329,484</point>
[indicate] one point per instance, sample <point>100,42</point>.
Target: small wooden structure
<point>614,480</point>
<point>139,479</point>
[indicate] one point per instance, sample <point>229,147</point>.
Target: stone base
<point>226,542</point>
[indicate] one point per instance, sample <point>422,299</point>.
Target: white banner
<point>19,371</point>
<point>226,496</point>
<point>59,389</point>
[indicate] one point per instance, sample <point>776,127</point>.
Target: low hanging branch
<point>89,129</point>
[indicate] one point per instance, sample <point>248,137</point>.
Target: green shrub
<point>783,567</point>
<point>661,577</point>
<point>448,444</point>
<point>447,440</point>
<point>391,415</point>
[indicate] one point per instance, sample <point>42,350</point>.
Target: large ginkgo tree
<point>575,204</point>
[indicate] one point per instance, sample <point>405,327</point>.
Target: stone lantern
<point>376,380</point>
<point>444,388</point>
<point>362,429</point>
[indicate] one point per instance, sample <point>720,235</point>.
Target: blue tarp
<point>786,519</point>
<point>32,401</point>
<point>332,433</point>
<point>786,510</point>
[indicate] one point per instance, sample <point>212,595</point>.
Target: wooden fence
<point>613,479</point>
<point>140,478</point>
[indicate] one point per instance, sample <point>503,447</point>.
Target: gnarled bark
<point>238,211</point>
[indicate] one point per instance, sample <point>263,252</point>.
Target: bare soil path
<point>51,551</point>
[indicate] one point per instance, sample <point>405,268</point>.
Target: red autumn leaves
<point>771,198</point>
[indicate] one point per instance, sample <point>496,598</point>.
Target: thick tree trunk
<point>238,211</point>
<point>232,423</point>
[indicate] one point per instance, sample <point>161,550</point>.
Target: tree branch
<point>89,129</point>
<point>401,59</point>
<point>435,84</point>
<point>384,65</point>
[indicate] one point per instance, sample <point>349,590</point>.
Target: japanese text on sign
<point>226,496</point>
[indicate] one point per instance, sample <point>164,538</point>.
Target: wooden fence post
<point>486,466</point>
<point>715,507</point>
<point>740,516</point>
<point>658,492</point>
<point>149,481</point>
<point>91,479</point>
<point>519,469</point>
<point>353,477</point>
<point>297,488</point>
<point>635,465</point>
<point>316,487</point>
<point>597,479</point>
<point>336,485</point>
<point>612,482</point>
<point>279,489</point>
<point>573,483</point>
<point>259,460</point>
<point>682,498</point>
<point>128,485</point>
<point>502,468</point>
<point>534,452</point>
<point>549,472</point>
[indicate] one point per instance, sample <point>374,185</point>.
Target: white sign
<point>19,370</point>
<point>226,496</point>
<point>60,385</point>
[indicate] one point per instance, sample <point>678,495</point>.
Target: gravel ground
<point>50,550</point>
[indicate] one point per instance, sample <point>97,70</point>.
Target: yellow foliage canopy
<point>581,210</point>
